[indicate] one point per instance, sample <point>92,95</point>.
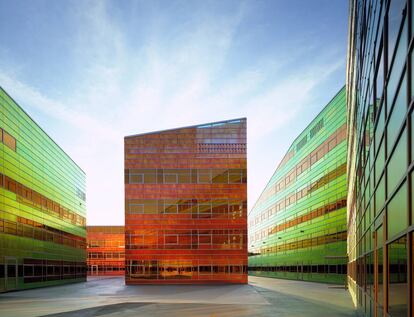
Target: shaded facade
<point>42,206</point>
<point>185,205</point>
<point>105,250</point>
<point>297,228</point>
<point>380,197</point>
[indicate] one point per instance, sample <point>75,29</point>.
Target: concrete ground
<point>109,297</point>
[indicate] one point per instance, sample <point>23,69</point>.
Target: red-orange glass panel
<point>188,224</point>
<point>106,250</point>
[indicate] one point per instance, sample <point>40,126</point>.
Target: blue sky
<point>91,72</point>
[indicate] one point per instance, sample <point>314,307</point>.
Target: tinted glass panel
<point>397,212</point>
<point>397,284</point>
<point>398,163</point>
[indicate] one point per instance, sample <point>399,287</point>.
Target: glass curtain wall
<point>186,205</point>
<point>380,142</point>
<point>42,206</point>
<point>297,227</point>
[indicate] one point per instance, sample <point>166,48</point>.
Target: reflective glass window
<point>9,141</point>
<point>380,196</point>
<point>184,176</point>
<point>412,135</point>
<point>219,176</point>
<point>412,199</point>
<point>397,68</point>
<point>397,272</point>
<point>379,81</point>
<point>380,281</point>
<point>397,116</point>
<point>397,212</point>
<point>379,163</point>
<point>398,163</point>
<point>379,129</point>
<point>204,176</point>
<point>170,178</point>
<point>394,21</point>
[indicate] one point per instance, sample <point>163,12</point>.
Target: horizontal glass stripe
<point>185,176</point>
<point>32,198</point>
<point>177,270</point>
<point>321,211</point>
<point>293,197</point>
<point>315,268</point>
<point>201,208</point>
<point>312,158</point>
<point>34,230</point>
<point>306,243</point>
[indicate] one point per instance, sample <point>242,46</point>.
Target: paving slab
<point>110,297</point>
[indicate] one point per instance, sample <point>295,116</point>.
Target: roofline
<point>290,146</point>
<point>24,111</point>
<point>185,127</point>
<point>106,226</point>
<point>315,118</point>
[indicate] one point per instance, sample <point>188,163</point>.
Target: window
<point>397,116</point>
<point>204,269</point>
<point>170,206</point>
<point>171,239</point>
<point>395,15</point>
<point>397,212</point>
<point>235,176</point>
<point>140,176</point>
<point>136,178</point>
<point>170,178</point>
<point>204,176</point>
<point>379,79</point>
<point>317,127</point>
<point>204,209</point>
<point>135,208</point>
<point>204,239</point>
<point>219,176</point>
<point>184,176</point>
<point>397,283</point>
<point>398,163</point>
<point>9,141</point>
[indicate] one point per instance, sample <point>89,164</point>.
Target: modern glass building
<point>42,206</point>
<point>106,250</point>
<point>186,205</point>
<point>380,91</point>
<point>297,227</point>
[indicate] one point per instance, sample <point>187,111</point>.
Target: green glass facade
<point>380,96</point>
<point>297,228</point>
<point>42,206</point>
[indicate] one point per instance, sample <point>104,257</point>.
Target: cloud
<point>125,89</point>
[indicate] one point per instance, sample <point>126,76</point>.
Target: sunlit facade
<point>42,206</point>
<point>105,250</point>
<point>297,228</point>
<point>185,205</point>
<point>380,91</point>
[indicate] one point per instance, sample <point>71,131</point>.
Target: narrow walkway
<point>109,297</point>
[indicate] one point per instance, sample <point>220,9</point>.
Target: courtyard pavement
<point>109,297</point>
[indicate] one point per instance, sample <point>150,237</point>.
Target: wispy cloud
<point>125,88</point>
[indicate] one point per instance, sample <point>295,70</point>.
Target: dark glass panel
<point>397,212</point>
<point>397,116</point>
<point>394,21</point>
<point>219,176</point>
<point>380,279</point>
<point>398,163</point>
<point>396,70</point>
<point>397,284</point>
<point>380,196</point>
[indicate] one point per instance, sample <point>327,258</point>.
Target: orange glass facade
<point>186,205</point>
<point>106,250</point>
